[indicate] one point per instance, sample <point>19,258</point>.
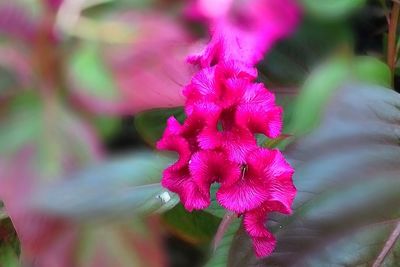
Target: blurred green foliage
<point>91,73</point>
<point>331,9</point>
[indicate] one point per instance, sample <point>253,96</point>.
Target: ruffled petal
<point>207,167</point>
<point>192,197</point>
<point>282,189</point>
<point>223,85</point>
<point>246,194</point>
<point>236,142</point>
<point>173,126</point>
<point>263,246</point>
<point>178,144</point>
<point>277,174</point>
<point>173,179</point>
<point>231,92</point>
<point>202,88</point>
<point>210,138</point>
<point>258,112</point>
<point>203,114</point>
<point>254,223</point>
<point>180,182</point>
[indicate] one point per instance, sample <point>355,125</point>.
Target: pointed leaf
<point>348,186</point>
<point>117,188</point>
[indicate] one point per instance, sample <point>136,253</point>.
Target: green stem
<point>388,246</point>
<point>223,226</point>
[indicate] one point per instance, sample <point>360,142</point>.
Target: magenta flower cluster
<point>224,109</point>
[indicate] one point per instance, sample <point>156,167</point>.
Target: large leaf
<point>42,143</point>
<point>40,140</point>
<point>116,188</point>
<point>136,73</point>
<point>134,243</point>
<point>347,176</point>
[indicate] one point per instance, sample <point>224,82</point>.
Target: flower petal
<point>254,224</point>
<point>207,167</point>
<point>259,113</point>
<point>201,88</point>
<point>203,114</point>
<point>263,246</point>
<point>177,144</point>
<point>180,182</point>
<point>173,126</point>
<point>236,142</point>
<point>277,173</point>
<point>246,194</point>
<point>192,197</point>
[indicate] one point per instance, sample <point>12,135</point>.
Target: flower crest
<point>216,143</point>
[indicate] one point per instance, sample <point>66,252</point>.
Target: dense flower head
<point>224,110</point>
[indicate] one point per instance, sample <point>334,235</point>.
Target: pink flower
<point>177,177</point>
<point>263,241</point>
<point>183,140</point>
<point>280,196</point>
<point>216,143</point>
<point>225,108</point>
<point>207,167</point>
<point>244,108</point>
<point>266,178</point>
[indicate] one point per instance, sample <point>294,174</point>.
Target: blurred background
<point>86,87</point>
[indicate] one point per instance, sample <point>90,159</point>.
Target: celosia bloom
<point>225,108</point>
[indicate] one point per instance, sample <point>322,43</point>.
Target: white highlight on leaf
<point>165,197</point>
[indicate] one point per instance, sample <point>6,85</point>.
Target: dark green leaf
<point>151,124</point>
<point>9,244</point>
<point>117,188</point>
<point>347,176</point>
<point>196,227</point>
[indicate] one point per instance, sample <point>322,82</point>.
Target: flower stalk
<point>392,40</point>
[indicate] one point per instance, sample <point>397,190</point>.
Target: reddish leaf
<point>148,72</point>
